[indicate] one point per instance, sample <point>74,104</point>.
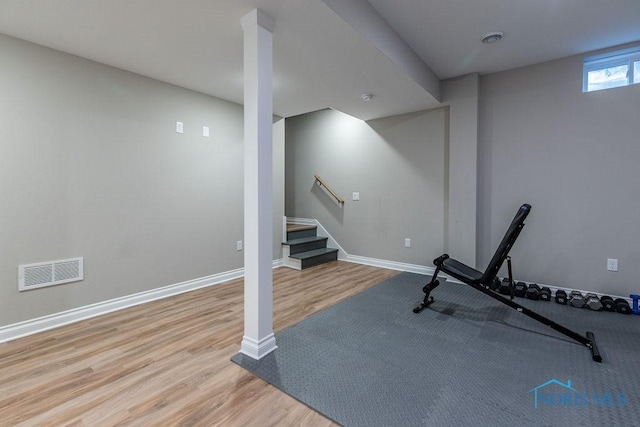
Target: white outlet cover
<point>205,131</point>
<point>179,127</point>
<point>355,196</point>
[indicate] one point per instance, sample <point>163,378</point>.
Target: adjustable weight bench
<point>481,281</point>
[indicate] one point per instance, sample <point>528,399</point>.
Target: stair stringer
<point>287,261</point>
<point>321,232</point>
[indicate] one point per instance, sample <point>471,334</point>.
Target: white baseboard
<point>44,323</point>
<point>289,262</point>
<point>419,269</point>
<point>413,268</point>
<point>356,259</point>
<point>391,265</point>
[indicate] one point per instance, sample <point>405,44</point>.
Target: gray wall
<point>397,164</point>
<point>91,166</point>
<point>461,96</point>
<point>574,156</point>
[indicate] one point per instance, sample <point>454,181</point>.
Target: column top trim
<point>259,18</point>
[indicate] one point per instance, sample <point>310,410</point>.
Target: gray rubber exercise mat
<point>465,360</point>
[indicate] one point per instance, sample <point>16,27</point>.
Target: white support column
<point>258,339</point>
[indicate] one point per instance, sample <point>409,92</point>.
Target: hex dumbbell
<point>576,299</point>
<point>532,292</point>
<point>545,294</point>
<point>561,297</point>
<point>505,287</point>
<point>593,302</point>
<point>520,289</point>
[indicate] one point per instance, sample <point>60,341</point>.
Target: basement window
<point>612,69</point>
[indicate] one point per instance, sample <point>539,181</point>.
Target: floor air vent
<point>32,276</point>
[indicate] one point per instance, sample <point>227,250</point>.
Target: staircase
<point>304,248</point>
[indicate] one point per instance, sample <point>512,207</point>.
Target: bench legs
<point>434,283</point>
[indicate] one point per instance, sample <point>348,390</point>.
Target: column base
<point>258,349</point>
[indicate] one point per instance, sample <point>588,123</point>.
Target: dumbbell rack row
<point>574,298</point>
<point>593,302</point>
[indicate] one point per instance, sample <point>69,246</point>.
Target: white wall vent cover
<point>32,276</point>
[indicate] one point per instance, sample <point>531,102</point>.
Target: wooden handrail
<point>339,199</point>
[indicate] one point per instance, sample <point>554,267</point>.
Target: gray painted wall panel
<point>397,166</point>
<point>461,94</point>
<point>91,165</point>
<point>574,156</point>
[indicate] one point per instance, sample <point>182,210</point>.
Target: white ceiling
<point>320,61</point>
<point>446,34</point>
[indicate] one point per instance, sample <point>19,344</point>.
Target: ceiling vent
<point>492,37</point>
<point>50,273</point>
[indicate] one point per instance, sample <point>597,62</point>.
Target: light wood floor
<point>167,362</point>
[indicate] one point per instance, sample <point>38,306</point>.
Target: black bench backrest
<point>505,245</point>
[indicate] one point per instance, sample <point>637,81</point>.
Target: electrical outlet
<point>355,196</point>
<point>205,131</point>
<point>407,243</point>
<point>612,264</point>
<point>239,245</point>
<point>179,127</point>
